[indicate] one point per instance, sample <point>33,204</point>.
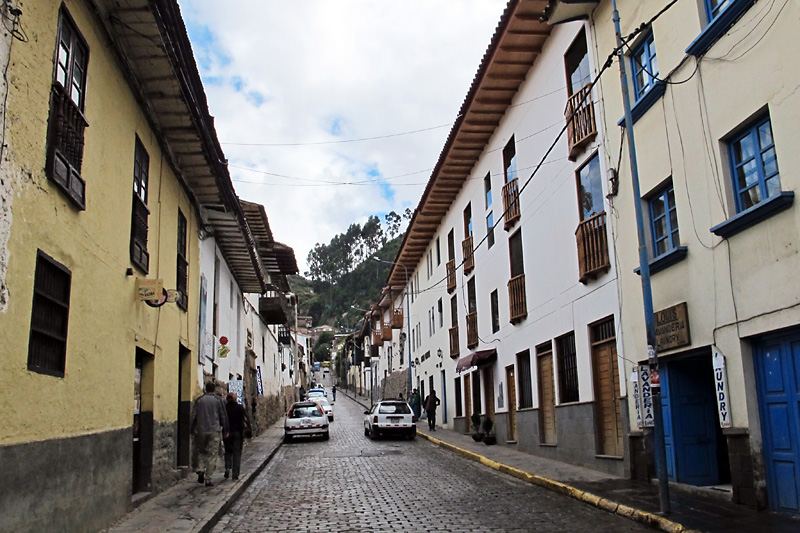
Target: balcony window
<point>182,270</point>
<point>67,123</point>
<point>489,230</point>
<point>591,236</point>
<point>139,211</point>
<point>579,113</point>
<point>511,187</point>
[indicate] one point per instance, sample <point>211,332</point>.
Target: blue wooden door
<point>777,362</point>
<point>666,413</point>
<point>694,422</point>
<point>689,409</point>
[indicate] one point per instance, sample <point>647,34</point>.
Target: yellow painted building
<point>109,156</point>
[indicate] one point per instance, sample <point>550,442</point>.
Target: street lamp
<point>408,316</point>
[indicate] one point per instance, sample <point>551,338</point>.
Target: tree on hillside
<point>393,221</point>
<point>322,348</point>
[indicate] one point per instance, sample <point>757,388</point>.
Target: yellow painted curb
<point>605,504</point>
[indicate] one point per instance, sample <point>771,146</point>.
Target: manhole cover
<point>359,453</point>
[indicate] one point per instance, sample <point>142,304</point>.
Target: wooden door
<point>468,403</point>
<point>547,399</point>
<point>511,383</point>
<point>607,405</point>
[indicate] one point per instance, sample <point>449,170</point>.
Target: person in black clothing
<point>431,402</point>
<point>237,422</point>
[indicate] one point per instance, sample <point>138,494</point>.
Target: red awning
<point>465,362</point>
<point>479,358</point>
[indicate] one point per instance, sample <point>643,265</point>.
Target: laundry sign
<point>646,396</point>
<point>721,389</point>
<point>672,327</point>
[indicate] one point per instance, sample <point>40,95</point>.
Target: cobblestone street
<point>351,483</point>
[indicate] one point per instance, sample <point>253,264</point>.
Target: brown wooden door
<point>468,403</point>
<point>512,403</point>
<point>547,399</point>
<point>488,391</point>
<point>607,406</point>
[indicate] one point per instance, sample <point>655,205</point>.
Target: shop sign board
<point>647,396</point>
<point>672,327</point>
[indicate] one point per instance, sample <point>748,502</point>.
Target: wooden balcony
<point>386,330</point>
<point>454,350</point>
<point>65,145</point>
<point>511,203</point>
<point>273,309</point>
<point>592,240</point>
<point>469,259</point>
<point>472,329</point>
<point>397,318</point>
<point>451,275</point>
<point>581,128</point>
<point>377,336</point>
<point>517,303</point>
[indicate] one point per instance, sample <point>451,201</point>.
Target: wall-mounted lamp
<point>439,353</point>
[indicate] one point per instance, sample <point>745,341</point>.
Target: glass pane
<point>658,207</point>
<point>660,226</point>
<point>676,238</point>
<point>63,61</point>
<point>770,162</point>
<point>750,197</point>
<point>641,83</point>
<point>591,189</point>
<point>765,135</point>
<point>773,186</point>
<point>653,61</point>
<point>673,219</point>
<point>661,247</point>
<point>671,198</point>
<point>747,174</point>
<point>76,95</point>
<point>743,149</point>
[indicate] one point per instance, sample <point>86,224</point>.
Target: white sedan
<point>327,408</point>
<point>390,417</point>
<point>305,418</point>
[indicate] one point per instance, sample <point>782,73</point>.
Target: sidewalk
<point>633,499</point>
<point>191,507</point>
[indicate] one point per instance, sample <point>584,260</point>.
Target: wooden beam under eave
<point>494,101</point>
<point>509,77</point>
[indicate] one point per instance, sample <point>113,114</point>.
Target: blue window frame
<point>754,165</point>
<point>715,7</point>
<point>645,67</point>
<point>664,221</point>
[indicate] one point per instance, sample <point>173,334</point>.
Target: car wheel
<point>326,435</point>
<point>331,419</point>
<point>412,435</point>
<point>366,431</point>
<point>372,433</point>
<point>287,438</point>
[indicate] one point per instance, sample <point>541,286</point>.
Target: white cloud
<point>305,71</point>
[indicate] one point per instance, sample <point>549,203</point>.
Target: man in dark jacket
<point>431,403</point>
<point>237,422</point>
<point>208,419</point>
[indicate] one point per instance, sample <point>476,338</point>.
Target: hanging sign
<point>672,327</point>
<point>237,386</point>
<point>636,399</point>
<point>260,383</point>
<point>721,389</point>
<point>149,289</point>
<point>647,396</point>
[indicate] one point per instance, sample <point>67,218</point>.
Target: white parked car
<point>327,408</point>
<point>390,417</point>
<point>305,418</point>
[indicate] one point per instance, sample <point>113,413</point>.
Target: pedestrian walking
<point>208,420</point>
<point>431,403</point>
<point>237,423</point>
<point>416,404</point>
<point>333,389</point>
<point>302,393</point>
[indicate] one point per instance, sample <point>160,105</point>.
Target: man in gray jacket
<point>208,419</point>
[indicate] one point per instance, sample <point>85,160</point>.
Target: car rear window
<point>394,408</point>
<point>300,412</point>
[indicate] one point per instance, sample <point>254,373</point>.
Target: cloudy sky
<point>296,86</point>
